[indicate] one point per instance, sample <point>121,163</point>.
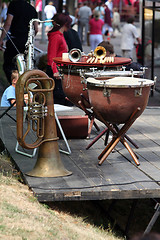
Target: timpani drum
<point>117,98</point>
<point>74,85</point>
<point>72,81</point>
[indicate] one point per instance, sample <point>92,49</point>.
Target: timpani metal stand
<point>90,114</point>
<point>118,136</point>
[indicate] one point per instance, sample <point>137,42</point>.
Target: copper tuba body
<point>40,119</point>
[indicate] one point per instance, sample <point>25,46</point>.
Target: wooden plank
<point>117,178</point>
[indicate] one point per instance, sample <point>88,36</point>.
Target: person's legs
<point>119,28</point>
<point>98,39</point>
<point>86,32</point>
<point>92,40</point>
<point>80,30</point>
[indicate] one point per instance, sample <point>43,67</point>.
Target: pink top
<point>56,46</point>
<point>96,26</point>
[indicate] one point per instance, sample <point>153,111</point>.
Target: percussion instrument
<point>120,100</point>
<point>72,78</point>
<point>117,98</point>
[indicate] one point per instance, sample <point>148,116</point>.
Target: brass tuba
<point>40,119</point>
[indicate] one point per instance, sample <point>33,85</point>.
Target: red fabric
<point>56,46</point>
<point>96,26</point>
<point>107,17</point>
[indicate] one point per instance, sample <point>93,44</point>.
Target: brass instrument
<point>21,64</point>
<point>41,118</point>
<point>100,52</point>
<point>26,61</point>
<point>75,55</point>
<point>99,55</point>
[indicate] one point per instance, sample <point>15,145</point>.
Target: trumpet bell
<point>75,55</point>
<point>100,52</point>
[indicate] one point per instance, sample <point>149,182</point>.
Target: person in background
<point>109,48</point>
<point>129,36</point>
<point>84,15</point>
<point>49,11</point>
<point>72,39</point>
<point>77,10</point>
<point>115,21</point>
<point>100,9</point>
<point>19,14</point>
<point>65,10</point>
<point>107,28</point>
<point>9,95</point>
<point>56,47</point>
<point>109,4</point>
<point>3,15</point>
<point>39,8</point>
<point>110,53</point>
<point>95,26</point>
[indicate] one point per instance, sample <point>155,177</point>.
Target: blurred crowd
<point>95,21</point>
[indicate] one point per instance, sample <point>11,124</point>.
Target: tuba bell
<point>41,120</point>
<point>75,55</point>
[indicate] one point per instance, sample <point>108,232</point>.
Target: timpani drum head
<point>120,82</point>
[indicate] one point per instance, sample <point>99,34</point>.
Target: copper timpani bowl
<point>117,98</point>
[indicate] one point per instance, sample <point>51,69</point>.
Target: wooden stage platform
<point>117,178</point>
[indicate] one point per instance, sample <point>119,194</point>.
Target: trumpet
<point>75,55</point>
<point>100,52</point>
<point>99,55</point>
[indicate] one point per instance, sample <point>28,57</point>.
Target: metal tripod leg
<point>153,219</point>
<point>97,138</point>
<point>90,116</point>
<point>118,136</point>
<point>63,135</point>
